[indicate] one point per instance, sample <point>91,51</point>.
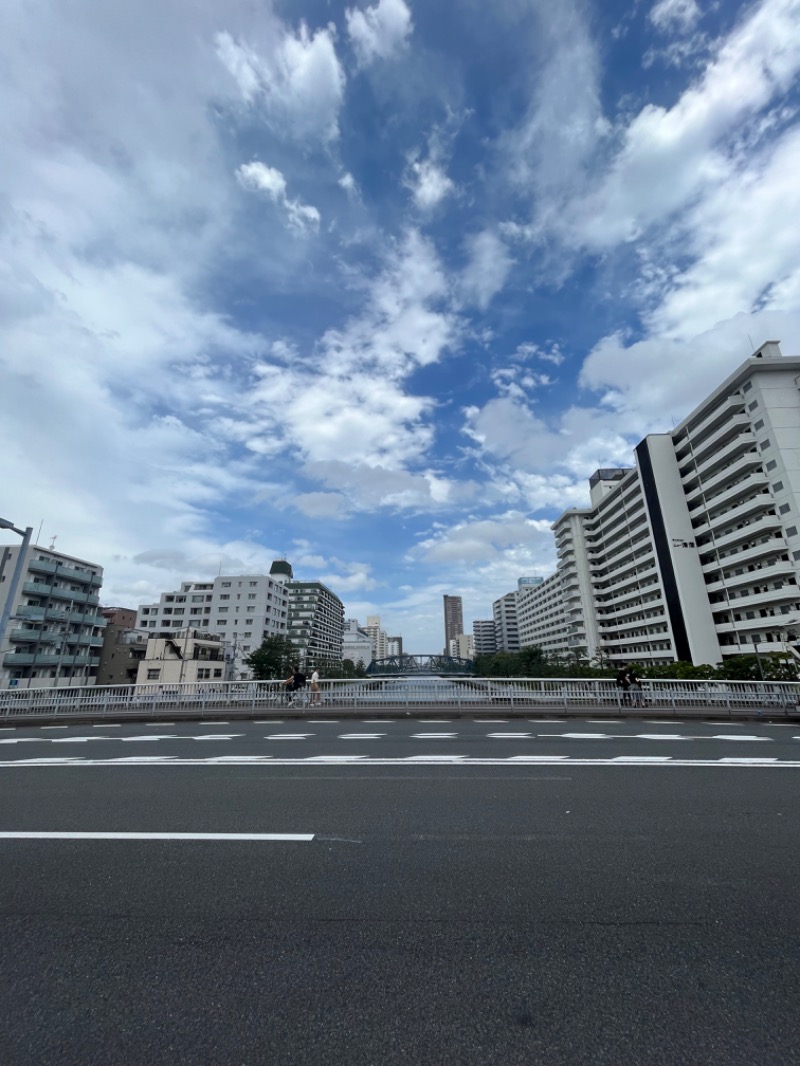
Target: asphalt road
<point>491,911</point>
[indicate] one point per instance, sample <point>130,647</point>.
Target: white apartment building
<point>55,629</point>
<point>462,646</point>
<point>694,553</point>
<point>506,627</point>
<point>377,636</point>
<point>243,609</point>
<point>356,643</point>
<point>483,636</point>
<point>316,623</point>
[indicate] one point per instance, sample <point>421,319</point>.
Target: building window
<point>772,464</point>
<point>226,584</point>
<point>747,386</point>
<point>784,507</point>
<point>752,406</point>
<point>222,610</point>
<point>197,599</point>
<point>791,531</point>
<point>764,444</point>
<point>251,595</point>
<point>225,596</point>
<point>203,673</point>
<point>759,424</point>
<point>777,486</point>
<point>169,599</point>
<point>218,673</point>
<point>153,674</point>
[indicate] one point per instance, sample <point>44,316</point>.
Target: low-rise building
<point>55,628</point>
<point>186,656</point>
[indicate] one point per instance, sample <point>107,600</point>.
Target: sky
<point>374,287</point>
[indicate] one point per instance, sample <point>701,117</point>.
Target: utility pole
<point>26,535</point>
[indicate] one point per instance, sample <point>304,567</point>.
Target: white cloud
<point>482,542</point>
<point>669,156</point>
<point>429,184</point>
<point>349,184</point>
<point>488,267</point>
<point>674,14</point>
<point>297,81</point>
<point>377,32</point>
<point>260,178</point>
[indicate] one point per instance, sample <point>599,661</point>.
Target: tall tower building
<point>453,620</point>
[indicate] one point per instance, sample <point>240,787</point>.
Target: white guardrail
<point>498,695</point>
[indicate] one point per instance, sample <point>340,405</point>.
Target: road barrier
<point>465,695</point>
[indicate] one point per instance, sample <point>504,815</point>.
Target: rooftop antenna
<point>40,532</point>
<point>752,346</point>
<point>53,542</point>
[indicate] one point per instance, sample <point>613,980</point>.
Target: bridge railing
<point>501,696</point>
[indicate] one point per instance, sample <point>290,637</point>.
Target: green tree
<point>273,659</point>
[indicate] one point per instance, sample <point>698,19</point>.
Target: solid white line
<point>491,721</point>
<point>268,721</point>
<point>363,760</point>
<point>642,758</point>
<point>54,727</point>
<point>435,758</point>
<point>155,836</point>
<point>108,725</point>
<point>509,736</point>
<point>433,736</point>
<point>7,728</point>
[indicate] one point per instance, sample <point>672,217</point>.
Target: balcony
<point>13,660</point>
<point>726,456</point>
<point>722,413</point>
<point>778,571</point>
<point>38,588</point>
<point>745,533</point>
<point>760,502</point>
<point>741,464</point>
<point>31,636</point>
<point>68,573</point>
<point>773,546</point>
<point>790,593</point>
<point>718,438</point>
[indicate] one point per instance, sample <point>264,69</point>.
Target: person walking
<point>315,695</point>
<point>636,696</point>
<point>624,684</point>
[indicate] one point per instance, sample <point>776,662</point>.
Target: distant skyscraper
<point>453,620</point>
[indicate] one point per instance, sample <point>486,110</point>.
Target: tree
<point>274,659</point>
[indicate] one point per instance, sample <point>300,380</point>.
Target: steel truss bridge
<point>420,666</point>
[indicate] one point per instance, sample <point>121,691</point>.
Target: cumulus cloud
<point>297,82</point>
<point>377,32</point>
<point>258,177</point>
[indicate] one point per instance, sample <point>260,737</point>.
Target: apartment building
<point>462,646</point>
<point>186,655</point>
<point>243,609</point>
<point>124,646</point>
<point>356,643</point>
<point>483,636</point>
<point>693,553</point>
<point>506,626</point>
<point>55,628</point>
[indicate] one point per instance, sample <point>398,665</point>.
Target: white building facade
<point>55,630</point>
<point>242,609</point>
<point>693,553</point>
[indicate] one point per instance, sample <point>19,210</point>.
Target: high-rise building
<point>506,627</point>
<point>241,608</point>
<point>694,552</point>
<point>453,620</point>
<point>316,624</point>
<point>377,636</point>
<point>484,639</point>
<point>55,629</point>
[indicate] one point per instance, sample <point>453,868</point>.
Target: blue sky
<point>374,287</point>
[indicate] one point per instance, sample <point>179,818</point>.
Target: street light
<point>26,535</point>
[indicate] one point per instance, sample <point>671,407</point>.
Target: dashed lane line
<point>13,835</point>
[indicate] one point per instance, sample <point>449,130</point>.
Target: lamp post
<point>26,535</point>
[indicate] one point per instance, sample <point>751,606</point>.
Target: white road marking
<point>108,725</point>
<point>54,727</point>
<point>7,728</point>
<point>375,721</point>
<point>659,736</point>
<point>665,721</point>
<point>490,721</point>
<point>289,736</point>
<point>509,736</point>
<point>737,736</point>
<point>156,725</point>
<point>539,758</point>
<point>750,762</point>
<point>268,722</point>
<point>240,758</point>
<point>335,758</point>
<point>642,758</point>
<point>435,758</point>
<point>548,721</point>
<point>363,760</point>
<point>154,836</point>
<point>150,738</point>
<point>145,759</point>
<point>217,736</point>
<point>361,736</point>
<point>78,740</point>
<point>578,736</point>
<point>433,736</point>
<point>25,740</point>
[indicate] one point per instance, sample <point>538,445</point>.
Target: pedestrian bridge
<point>420,666</point>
